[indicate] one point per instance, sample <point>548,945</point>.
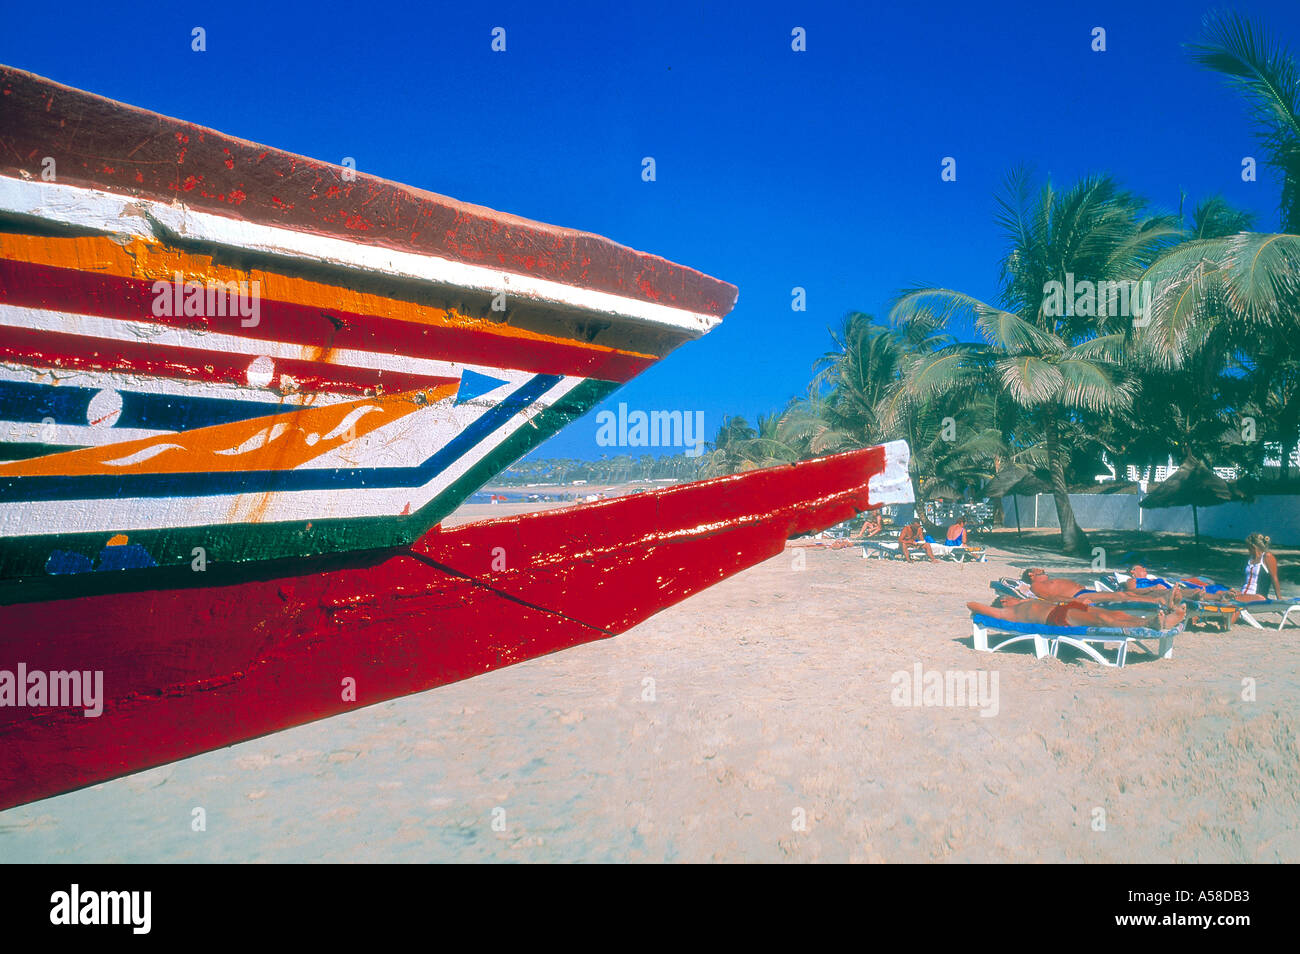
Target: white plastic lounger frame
<point>879,549</point>
<point>1249,610</point>
<point>1120,644</point>
<point>980,637</point>
<point>1049,643</point>
<point>1270,606</point>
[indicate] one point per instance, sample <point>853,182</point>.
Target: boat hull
<point>187,670</point>
<point>217,352</point>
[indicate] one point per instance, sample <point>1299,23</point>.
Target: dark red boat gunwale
<point>107,145</point>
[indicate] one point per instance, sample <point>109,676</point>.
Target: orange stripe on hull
<point>151,261</point>
<point>279,441</point>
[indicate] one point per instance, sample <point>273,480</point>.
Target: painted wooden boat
<point>405,347</point>
<point>239,390</point>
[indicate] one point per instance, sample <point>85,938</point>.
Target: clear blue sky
<point>775,168</point>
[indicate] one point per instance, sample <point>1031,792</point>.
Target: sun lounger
<point>1250,609</point>
<point>964,554</point>
<point>1218,612</point>
<point>888,549</point>
<point>880,549</point>
<point>1114,582</point>
<point>1088,640</point>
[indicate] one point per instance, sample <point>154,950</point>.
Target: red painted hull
<point>188,670</point>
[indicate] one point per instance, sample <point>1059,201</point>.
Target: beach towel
<point>1006,586</point>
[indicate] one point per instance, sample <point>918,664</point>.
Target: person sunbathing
<point>1141,581</point>
<point>1073,613</point>
<point>956,535</point>
<point>913,535</point>
<point>1058,589</point>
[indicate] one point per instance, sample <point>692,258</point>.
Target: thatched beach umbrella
<point>1191,485</point>
<point>1015,480</point>
<point>942,492</point>
<point>1119,487</point>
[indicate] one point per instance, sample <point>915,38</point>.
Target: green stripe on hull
<point>23,559</point>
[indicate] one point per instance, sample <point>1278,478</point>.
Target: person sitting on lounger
<point>1261,571</point>
<point>913,535</point>
<point>1073,613</point>
<point>871,526</point>
<point>956,536</point>
<point>1058,589</point>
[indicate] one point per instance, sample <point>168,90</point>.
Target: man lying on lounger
<point>1057,588</point>
<point>1073,613</point>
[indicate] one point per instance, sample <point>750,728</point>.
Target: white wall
<point>1278,516</point>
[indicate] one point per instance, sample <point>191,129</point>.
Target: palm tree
<point>1230,298</point>
<point>1230,303</point>
<point>1059,362</point>
<point>858,373</point>
<point>1266,74</point>
<point>1188,404</point>
<point>727,454</point>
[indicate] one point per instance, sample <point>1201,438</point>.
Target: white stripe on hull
<point>70,435</point>
<point>147,218</point>
<point>172,387</point>
<point>142,513</point>
<point>139,332</point>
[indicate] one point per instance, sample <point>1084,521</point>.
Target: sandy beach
<point>754,722</point>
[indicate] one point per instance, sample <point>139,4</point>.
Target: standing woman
<point>1261,570</point>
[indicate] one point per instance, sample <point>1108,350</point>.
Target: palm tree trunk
<point>1073,539</point>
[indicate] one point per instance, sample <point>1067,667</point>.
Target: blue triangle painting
<point>473,384</point>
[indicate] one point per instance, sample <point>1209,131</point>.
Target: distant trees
<point>1117,331</point>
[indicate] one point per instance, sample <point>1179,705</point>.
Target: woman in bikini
<point>1073,613</point>
<point>1261,571</point>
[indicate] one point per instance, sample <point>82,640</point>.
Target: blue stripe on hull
<point>33,403</point>
<point>112,487</point>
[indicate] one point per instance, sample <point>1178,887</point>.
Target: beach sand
<point>771,704</point>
